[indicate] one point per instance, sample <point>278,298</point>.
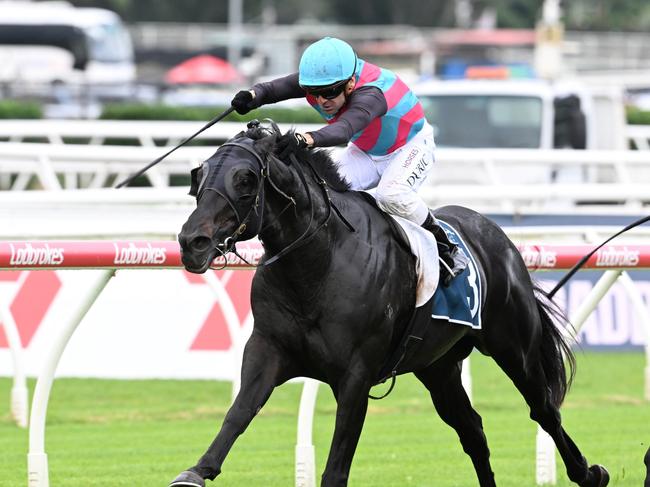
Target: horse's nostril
<point>200,244</point>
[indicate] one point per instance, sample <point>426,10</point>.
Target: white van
<point>523,113</point>
<point>56,43</point>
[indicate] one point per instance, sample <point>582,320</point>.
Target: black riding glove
<point>243,102</point>
<point>288,144</point>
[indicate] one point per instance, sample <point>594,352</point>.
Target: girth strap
<point>411,339</point>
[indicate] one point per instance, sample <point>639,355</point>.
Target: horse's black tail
<point>556,353</point>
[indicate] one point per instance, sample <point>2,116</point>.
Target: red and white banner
<point>145,323</point>
<point>548,257</point>
<point>111,254</point>
<point>163,322</point>
<point>166,254</point>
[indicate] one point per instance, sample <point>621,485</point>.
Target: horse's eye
<point>245,183</point>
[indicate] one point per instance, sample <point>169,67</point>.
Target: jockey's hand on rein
<point>242,102</point>
<point>289,143</point>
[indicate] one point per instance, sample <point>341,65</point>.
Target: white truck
<point>53,43</point>
<point>524,113</point>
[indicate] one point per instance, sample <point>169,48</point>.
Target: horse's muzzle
<point>197,254</point>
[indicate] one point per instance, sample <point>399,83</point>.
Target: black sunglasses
<point>328,92</point>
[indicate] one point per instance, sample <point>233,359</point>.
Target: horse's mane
<point>320,159</point>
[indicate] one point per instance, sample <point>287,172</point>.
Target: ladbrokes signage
<point>137,255</point>
<point>539,258</point>
<point>27,254</point>
<point>617,257</point>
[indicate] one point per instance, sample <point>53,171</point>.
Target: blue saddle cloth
<point>460,302</point>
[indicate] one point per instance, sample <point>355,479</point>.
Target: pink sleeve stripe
<point>395,93</point>
<point>369,73</point>
<point>408,120</point>
<point>369,136</point>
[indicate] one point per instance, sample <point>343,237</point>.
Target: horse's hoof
<point>598,477</point>
<point>188,479</point>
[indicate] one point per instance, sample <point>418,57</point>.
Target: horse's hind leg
<point>530,379</point>
<point>443,379</point>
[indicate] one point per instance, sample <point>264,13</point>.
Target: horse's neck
<point>299,227</point>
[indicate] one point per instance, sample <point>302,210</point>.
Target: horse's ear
<point>195,178</point>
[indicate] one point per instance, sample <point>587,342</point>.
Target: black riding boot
<point>447,251</point>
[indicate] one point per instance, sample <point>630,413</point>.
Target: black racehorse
<point>335,293</point>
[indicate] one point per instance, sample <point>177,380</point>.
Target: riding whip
<point>157,160</point>
<point>582,261</point>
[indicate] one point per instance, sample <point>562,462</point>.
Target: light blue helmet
<point>325,62</point>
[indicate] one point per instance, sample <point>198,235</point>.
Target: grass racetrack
<point>143,433</point>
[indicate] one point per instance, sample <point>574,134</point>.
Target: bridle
<point>246,228</point>
<point>251,223</point>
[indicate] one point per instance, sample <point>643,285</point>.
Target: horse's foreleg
<point>352,403</point>
<point>443,380</point>
<point>263,367</point>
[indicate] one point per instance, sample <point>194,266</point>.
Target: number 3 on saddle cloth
<point>459,303</point>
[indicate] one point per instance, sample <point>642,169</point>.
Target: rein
<point>228,245</point>
<point>304,238</point>
<point>216,119</point>
<point>582,261</point>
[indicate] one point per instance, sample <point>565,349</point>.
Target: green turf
<point>142,433</point>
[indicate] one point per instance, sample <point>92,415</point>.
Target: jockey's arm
<point>363,106</point>
<point>277,90</point>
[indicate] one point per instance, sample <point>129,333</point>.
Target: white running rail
<point>147,133</point>
<point>508,180</point>
<point>152,132</point>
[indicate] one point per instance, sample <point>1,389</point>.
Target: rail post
<point>305,452</point>
<point>19,393</point>
<point>643,314</point>
<point>37,468</point>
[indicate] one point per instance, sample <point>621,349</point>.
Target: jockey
<point>390,144</point>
